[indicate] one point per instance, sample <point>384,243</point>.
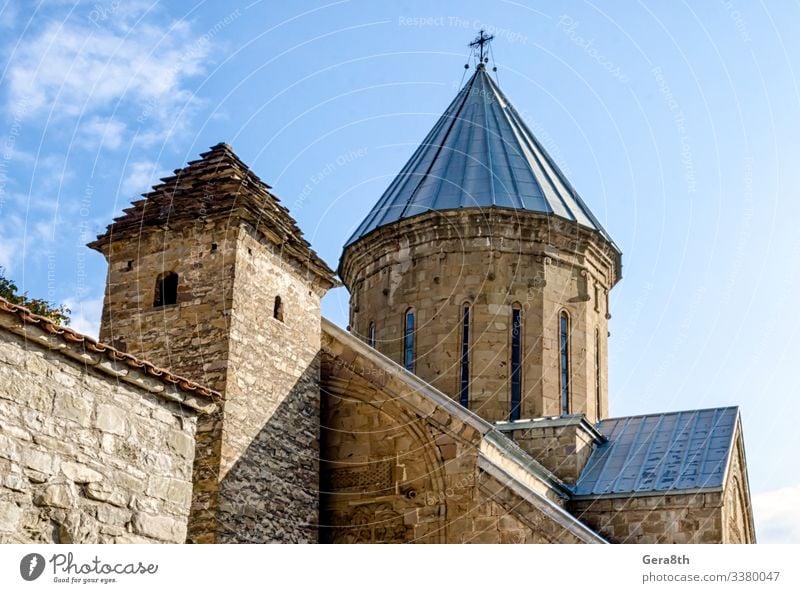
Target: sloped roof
<point>480,154</point>
<point>660,453</point>
<point>217,183</point>
<point>105,358</point>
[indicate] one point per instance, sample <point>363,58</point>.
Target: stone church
<point>467,401</point>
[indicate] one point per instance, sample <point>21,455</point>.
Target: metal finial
<point>480,41</point>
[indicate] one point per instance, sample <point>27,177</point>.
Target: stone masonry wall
<point>85,458</point>
<point>390,480</point>
<point>262,446</point>
<point>492,260</point>
<point>270,448</point>
<point>398,469</point>
<point>676,519</point>
<point>564,450</point>
<point>189,337</point>
<point>736,515</point>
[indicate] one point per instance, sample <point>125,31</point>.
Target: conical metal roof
<point>479,154</point>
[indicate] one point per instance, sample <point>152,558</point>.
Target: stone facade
<point>246,322</point>
<point>562,444</point>
<point>406,464</point>
<point>493,259</point>
<point>675,519</point>
<point>703,517</point>
<point>91,450</point>
<point>305,433</point>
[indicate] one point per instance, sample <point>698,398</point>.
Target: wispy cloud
<point>85,315</point>
<point>777,516</point>
<point>7,249</point>
<point>8,14</point>
<point>102,132</point>
<point>140,177</point>
<point>79,68</point>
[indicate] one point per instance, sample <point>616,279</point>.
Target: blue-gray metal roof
<point>479,154</point>
<point>660,453</point>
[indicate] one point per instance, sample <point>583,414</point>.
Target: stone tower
<point>210,277</point>
<point>482,270</point>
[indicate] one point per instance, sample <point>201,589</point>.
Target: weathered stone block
<point>40,461</point>
<point>57,495</point>
<point>176,491</point>
<point>162,528</point>
<point>110,419</point>
<point>106,492</point>
<point>80,473</point>
<point>10,515</point>
<point>181,443</point>
<point>72,407</point>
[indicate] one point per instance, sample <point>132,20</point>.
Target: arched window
<point>408,340</point>
<point>463,390</point>
<point>563,351</point>
<point>597,371</point>
<point>371,334</point>
<point>277,309</point>
<point>516,361</point>
<point>166,290</point>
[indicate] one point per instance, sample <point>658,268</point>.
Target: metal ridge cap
<point>669,413</point>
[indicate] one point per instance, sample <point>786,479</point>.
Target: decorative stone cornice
<point>522,232</point>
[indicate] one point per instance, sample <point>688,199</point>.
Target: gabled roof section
<point>217,183</point>
<point>480,154</point>
<point>660,454</point>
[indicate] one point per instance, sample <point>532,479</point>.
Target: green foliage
<point>10,292</point>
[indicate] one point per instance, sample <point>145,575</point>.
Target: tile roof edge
<point>85,349</point>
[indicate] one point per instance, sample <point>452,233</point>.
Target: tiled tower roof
<point>218,183</point>
<point>480,154</point>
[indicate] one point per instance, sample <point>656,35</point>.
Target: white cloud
<point>7,249</point>
<point>77,68</point>
<point>777,516</point>
<point>102,132</point>
<point>12,244</point>
<point>85,315</point>
<point>140,177</point>
<point>8,14</point>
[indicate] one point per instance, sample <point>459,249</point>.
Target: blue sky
<point>677,122</point>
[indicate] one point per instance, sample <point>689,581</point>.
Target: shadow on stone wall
<point>271,491</point>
